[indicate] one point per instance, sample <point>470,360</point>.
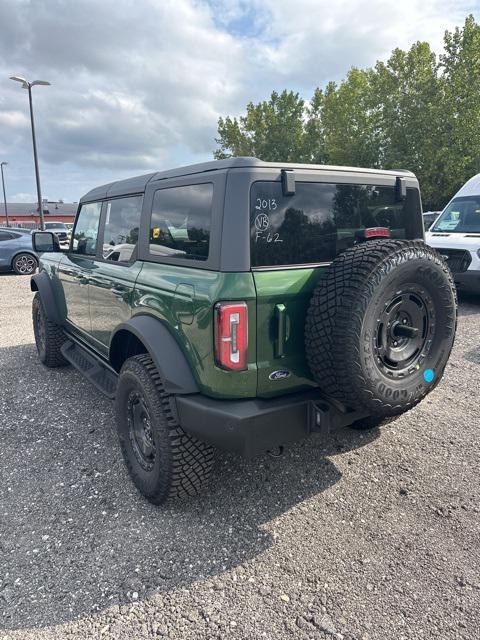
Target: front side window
<point>122,224</point>
<point>4,235</point>
<point>86,229</point>
<point>462,215</point>
<point>320,220</point>
<point>180,222</point>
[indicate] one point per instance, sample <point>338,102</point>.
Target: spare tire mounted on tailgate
<point>381,325</point>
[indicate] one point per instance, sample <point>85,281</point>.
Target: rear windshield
<point>320,220</point>
<point>462,215</point>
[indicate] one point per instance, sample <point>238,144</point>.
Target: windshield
<point>55,225</point>
<point>462,215</point>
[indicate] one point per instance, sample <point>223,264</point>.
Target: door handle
<point>281,322</point>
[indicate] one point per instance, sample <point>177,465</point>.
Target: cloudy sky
<point>138,85</point>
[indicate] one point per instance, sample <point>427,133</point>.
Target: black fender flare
<point>42,283</point>
<point>165,351</point>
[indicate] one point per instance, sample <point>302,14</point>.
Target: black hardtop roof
<point>137,184</point>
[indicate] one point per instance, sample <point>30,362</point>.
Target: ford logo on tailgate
<point>281,374</point>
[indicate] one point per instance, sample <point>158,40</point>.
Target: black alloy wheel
<point>404,328</point>
<point>140,430</point>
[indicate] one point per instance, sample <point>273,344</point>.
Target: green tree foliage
<point>460,76</point>
<point>272,129</point>
<point>413,111</point>
<point>409,106</point>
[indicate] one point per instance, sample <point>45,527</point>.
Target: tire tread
<point>191,459</point>
<point>336,312</point>
<point>54,337</point>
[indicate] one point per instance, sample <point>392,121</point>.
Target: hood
<point>454,240</point>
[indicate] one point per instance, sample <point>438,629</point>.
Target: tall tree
<point>271,130</point>
<point>349,123</point>
<point>460,66</point>
<point>314,128</point>
<point>409,110</point>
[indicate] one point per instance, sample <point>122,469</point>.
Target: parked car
<point>243,305</point>
<point>429,218</point>
<point>16,251</point>
<point>456,235</point>
<point>61,230</point>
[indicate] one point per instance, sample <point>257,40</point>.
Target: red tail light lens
<point>231,335</point>
<point>371,233</point>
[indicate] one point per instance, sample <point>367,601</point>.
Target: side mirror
<point>45,241</point>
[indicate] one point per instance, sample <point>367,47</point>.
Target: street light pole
<point>28,85</point>
<point>35,157</point>
<point>3,164</point>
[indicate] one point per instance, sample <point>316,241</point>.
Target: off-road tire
<point>49,337</point>
<point>24,264</point>
<point>181,464</point>
<point>341,333</point>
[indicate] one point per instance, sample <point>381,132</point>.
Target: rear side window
<point>180,222</point>
<point>320,220</point>
<point>122,222</point>
<point>86,229</point>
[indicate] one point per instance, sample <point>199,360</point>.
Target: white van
<point>456,235</point>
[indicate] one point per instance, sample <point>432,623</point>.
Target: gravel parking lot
<point>366,537</point>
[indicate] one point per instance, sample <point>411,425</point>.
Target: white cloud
<point>23,197</point>
<point>140,85</point>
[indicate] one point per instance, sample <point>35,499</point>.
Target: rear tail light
<point>372,233</point>
<point>231,335</point>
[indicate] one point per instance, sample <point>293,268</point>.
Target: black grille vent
<point>457,259</point>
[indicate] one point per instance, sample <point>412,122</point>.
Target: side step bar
<point>99,374</point>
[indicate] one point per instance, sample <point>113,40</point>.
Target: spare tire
<point>381,325</point>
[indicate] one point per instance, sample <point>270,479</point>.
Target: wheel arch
<point>41,283</point>
<point>145,334</point>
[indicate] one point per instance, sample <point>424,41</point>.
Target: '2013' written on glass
<point>269,204</point>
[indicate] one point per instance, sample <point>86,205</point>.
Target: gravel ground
<point>367,537</point>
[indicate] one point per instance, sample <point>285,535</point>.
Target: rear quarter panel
<point>183,299</point>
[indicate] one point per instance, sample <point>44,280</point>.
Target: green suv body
<point>209,286</point>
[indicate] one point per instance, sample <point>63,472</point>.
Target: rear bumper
<point>468,280</point>
<point>251,427</point>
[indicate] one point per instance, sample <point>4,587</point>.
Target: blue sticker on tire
<point>429,375</point>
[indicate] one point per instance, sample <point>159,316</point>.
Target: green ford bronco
<point>242,305</point>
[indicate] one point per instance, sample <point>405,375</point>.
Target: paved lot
<point>368,537</point>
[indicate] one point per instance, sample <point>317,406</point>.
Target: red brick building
<point>25,214</point>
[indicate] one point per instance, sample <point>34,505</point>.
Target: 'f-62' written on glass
<point>267,236</point>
